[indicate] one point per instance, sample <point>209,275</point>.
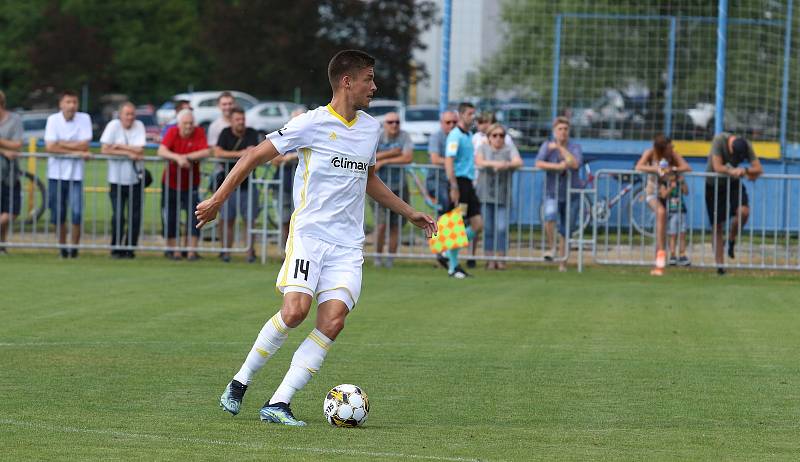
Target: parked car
<point>33,123</point>
<point>204,104</point>
<point>420,121</point>
<point>526,123</point>
<point>147,116</point>
<point>269,116</point>
<point>609,116</point>
<point>378,108</point>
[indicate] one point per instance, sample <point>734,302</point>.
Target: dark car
<point>527,124</point>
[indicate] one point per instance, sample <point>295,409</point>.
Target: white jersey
<point>331,178</point>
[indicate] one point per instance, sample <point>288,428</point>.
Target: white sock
<point>271,337</point>
<point>306,362</point>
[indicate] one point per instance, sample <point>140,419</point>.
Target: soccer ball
<point>346,406</point>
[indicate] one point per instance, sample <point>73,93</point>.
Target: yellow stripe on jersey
<point>322,344</point>
<point>290,241</point>
<point>342,119</point>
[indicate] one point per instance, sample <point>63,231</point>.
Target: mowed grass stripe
<point>519,365</point>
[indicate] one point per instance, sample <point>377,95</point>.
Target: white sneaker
<point>458,275</point>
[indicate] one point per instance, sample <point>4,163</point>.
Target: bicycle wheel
<point>642,216</point>
<point>33,198</point>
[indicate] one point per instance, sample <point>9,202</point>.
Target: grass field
<point>125,360</point>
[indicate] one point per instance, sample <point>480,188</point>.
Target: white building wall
<point>475,36</point>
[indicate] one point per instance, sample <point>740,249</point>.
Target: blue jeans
<point>63,192</point>
<point>556,210</point>
<point>495,228</point>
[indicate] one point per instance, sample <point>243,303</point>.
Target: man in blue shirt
<point>460,167</point>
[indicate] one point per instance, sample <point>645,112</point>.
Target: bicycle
<point>641,215</point>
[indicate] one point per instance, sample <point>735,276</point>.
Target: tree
<point>613,42</point>
<point>389,30</point>
<point>67,53</point>
<point>272,58</point>
<point>266,54</point>
<point>152,49</point>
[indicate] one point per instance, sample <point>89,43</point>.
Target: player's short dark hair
<point>462,108</point>
<point>237,110</point>
<point>347,62</point>
<point>224,94</point>
<point>65,93</point>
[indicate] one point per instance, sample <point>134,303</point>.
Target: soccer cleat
<point>279,413</point>
<point>656,272</point>
<point>457,275</point>
<point>721,271</point>
<point>459,269</point>
<point>684,261</point>
<point>231,399</point>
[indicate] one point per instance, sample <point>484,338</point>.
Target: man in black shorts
<point>726,196</point>
<point>460,167</point>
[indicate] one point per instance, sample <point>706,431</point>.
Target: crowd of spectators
<point>475,159</point>
<point>478,163</point>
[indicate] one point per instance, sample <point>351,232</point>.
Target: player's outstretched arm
<point>207,210</point>
<point>384,196</point>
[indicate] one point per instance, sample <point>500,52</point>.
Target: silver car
<point>269,116</point>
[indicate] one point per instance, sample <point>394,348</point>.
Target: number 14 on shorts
<point>301,266</point>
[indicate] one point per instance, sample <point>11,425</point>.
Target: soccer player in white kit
<point>336,147</point>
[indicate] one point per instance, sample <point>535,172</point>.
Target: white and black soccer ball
<point>346,406</point>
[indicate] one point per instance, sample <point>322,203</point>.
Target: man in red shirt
<point>183,146</point>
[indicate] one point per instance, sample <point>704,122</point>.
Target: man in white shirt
<point>225,103</point>
<point>324,252</point>
<point>67,136</point>
<point>125,138</point>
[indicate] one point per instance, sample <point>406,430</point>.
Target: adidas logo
<point>332,136</point>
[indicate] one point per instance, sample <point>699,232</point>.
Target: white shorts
<point>320,269</point>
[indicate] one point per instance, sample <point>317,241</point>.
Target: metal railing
<point>126,216</point>
<point>512,210</point>
<point>761,217</point>
<point>614,216</point>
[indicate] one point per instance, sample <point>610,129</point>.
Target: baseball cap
<point>739,150</point>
